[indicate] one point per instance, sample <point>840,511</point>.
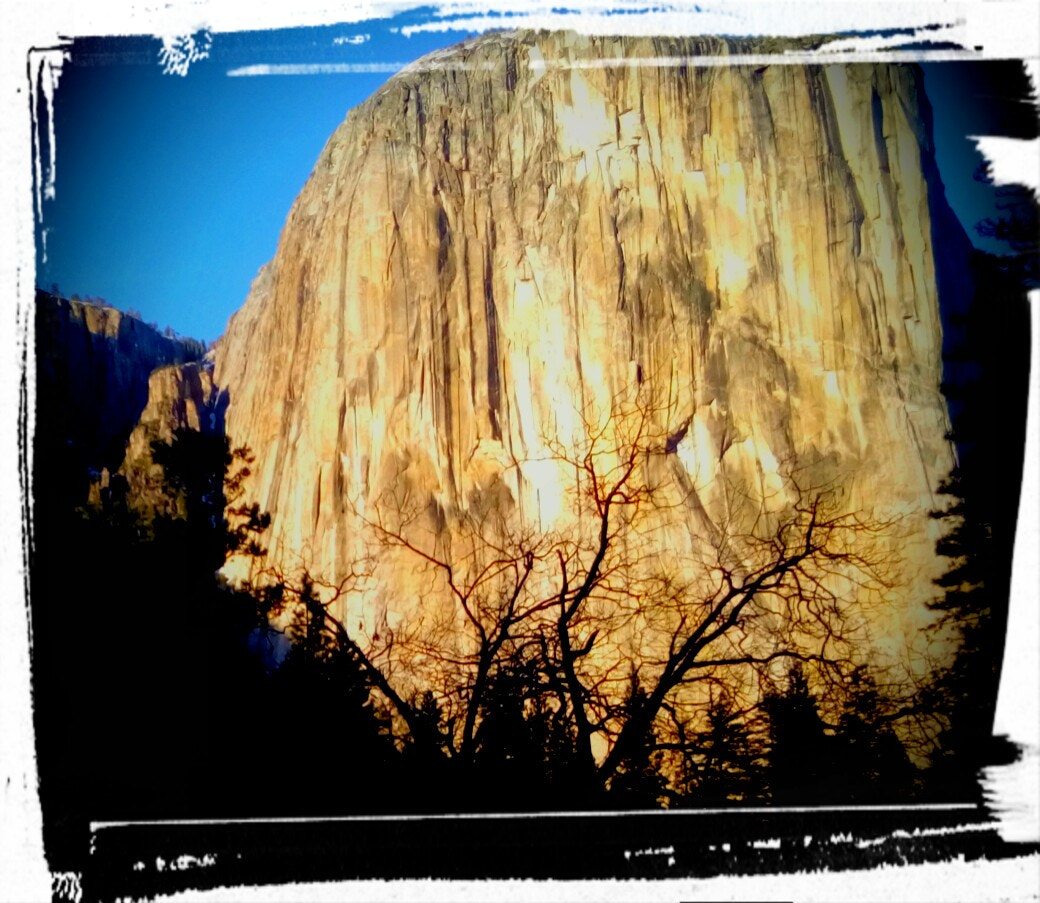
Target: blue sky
<point>171,191</point>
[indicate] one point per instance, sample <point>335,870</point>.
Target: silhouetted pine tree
<point>869,759</point>
<point>986,365</point>
<point>800,757</point>
<point>638,782</point>
<point>722,764</point>
<point>964,692</point>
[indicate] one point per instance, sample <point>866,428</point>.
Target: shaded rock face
<point>513,233</point>
<point>92,369</point>
<point>181,398</point>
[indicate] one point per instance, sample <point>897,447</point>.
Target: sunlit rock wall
<point>515,231</point>
<point>180,398</point>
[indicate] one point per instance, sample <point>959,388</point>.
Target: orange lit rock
<point>180,397</point>
<point>519,229</point>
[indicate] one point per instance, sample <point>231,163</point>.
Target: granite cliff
<point>181,400</point>
<point>513,234</point>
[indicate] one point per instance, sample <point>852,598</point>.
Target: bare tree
<point>487,585</point>
<point>777,579</point>
<point>598,627</point>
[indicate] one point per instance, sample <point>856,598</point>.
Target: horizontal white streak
<point>595,22</point>
<point>687,18</point>
<point>317,69</point>
<point>1013,31</point>
<point>651,62</point>
<point>799,58</point>
<point>468,816</point>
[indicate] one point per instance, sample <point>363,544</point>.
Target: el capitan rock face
<point>514,232</point>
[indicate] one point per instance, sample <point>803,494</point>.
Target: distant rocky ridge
<point>93,367</point>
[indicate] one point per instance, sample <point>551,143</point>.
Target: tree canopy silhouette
<point>533,640</point>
